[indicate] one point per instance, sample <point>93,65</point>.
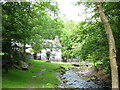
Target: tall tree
<point>112,48</point>
<point>44,25</point>
<point>15,27</point>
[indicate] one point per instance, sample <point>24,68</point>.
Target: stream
<point>73,79</point>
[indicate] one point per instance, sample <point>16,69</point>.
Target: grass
<point>63,64</point>
<point>41,74</point>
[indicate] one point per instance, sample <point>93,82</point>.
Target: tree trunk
<point>24,52</point>
<point>35,55</point>
<point>112,48</point>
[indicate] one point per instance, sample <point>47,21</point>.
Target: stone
<point>61,73</point>
<point>48,61</point>
<point>33,76</point>
<point>88,81</point>
<point>64,81</point>
<point>81,74</point>
<point>62,68</point>
<point>75,81</point>
<point>24,68</point>
<point>71,84</point>
<point>43,69</point>
<point>29,64</point>
<point>23,65</point>
<point>76,65</point>
<point>64,78</point>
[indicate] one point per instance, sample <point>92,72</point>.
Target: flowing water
<point>76,81</point>
<point>72,79</point>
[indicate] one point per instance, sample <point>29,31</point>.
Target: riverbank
<point>84,77</point>
<point>41,74</point>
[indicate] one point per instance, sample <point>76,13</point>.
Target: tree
<point>26,23</point>
<point>16,29</point>
<point>112,11</point>
<point>112,48</point>
<point>45,27</point>
<point>66,39</point>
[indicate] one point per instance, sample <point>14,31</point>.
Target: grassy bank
<point>41,74</point>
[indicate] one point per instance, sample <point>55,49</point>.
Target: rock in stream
<point>72,80</point>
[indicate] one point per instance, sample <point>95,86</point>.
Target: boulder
<point>76,65</point>
<point>88,80</point>
<point>24,64</point>
<point>48,61</point>
<point>64,81</point>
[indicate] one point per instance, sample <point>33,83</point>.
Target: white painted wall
<point>56,54</point>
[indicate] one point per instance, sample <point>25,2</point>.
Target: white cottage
<point>55,51</point>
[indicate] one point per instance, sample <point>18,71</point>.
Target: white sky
<point>71,12</point>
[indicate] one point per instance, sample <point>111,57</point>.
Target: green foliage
<point>66,39</point>
<point>44,25</point>
<point>15,27</point>
<point>112,11</point>
<point>2,53</point>
<point>26,23</point>
<point>84,39</point>
<point>88,39</point>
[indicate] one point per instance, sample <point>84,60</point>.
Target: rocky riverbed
<point>80,78</point>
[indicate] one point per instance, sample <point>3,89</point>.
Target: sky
<point>72,12</point>
<point>69,11</point>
